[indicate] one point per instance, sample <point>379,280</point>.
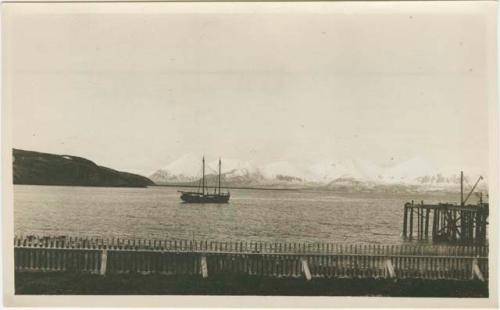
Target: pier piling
<point>450,223</point>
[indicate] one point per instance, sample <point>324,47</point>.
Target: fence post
<point>104,261</point>
<point>405,220</point>
<point>476,271</point>
<point>305,269</point>
<point>204,266</point>
<point>389,269</point>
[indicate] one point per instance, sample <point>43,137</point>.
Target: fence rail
<point>103,256</point>
<point>246,247</point>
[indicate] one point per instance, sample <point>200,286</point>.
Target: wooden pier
<point>446,222</point>
<point>204,258</point>
<point>451,223</point>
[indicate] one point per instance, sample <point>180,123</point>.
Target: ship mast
<point>219,175</point>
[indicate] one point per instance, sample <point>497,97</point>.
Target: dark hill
<point>49,169</point>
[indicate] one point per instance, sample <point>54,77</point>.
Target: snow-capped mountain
<point>237,172</point>
<point>326,171</point>
<point>283,171</point>
<point>408,171</point>
<point>233,167</point>
<point>185,169</point>
<point>419,172</point>
<point>330,174</point>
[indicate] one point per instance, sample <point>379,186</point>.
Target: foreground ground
<point>133,284</point>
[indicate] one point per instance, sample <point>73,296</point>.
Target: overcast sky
<point>133,92</point>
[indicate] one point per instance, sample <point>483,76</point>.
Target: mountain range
<point>353,175</point>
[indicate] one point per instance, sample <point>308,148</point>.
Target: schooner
<point>202,195</point>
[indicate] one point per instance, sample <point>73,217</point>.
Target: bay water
<point>252,215</point>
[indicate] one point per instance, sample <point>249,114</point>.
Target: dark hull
<point>207,198</point>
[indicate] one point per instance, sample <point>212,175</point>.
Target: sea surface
<point>251,215</point>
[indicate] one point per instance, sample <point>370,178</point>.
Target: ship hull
<point>189,197</point>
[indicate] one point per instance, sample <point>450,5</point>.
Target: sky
<point>294,82</point>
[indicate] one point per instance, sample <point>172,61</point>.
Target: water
<point>251,215</point>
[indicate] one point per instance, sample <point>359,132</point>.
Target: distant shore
<point>301,189</point>
<point>321,190</point>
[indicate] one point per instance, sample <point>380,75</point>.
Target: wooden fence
<point>112,256</point>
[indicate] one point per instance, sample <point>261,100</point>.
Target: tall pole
<point>472,190</point>
<point>462,188</point>
<point>203,178</point>
<point>219,175</point>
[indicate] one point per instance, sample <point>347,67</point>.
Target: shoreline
<point>343,191</point>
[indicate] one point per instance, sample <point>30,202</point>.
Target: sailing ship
<point>202,195</point>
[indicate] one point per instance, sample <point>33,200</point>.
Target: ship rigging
<point>203,195</point>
